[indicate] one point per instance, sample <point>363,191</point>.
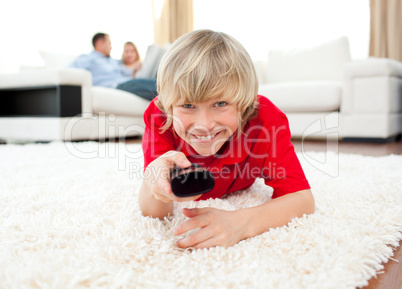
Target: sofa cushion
<point>56,60</point>
<point>119,102</point>
<point>322,62</point>
<point>319,96</point>
<point>151,62</point>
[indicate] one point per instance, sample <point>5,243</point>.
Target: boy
<point>208,112</point>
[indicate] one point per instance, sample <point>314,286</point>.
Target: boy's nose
<point>206,121</point>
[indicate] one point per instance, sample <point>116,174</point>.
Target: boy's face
<point>205,126</point>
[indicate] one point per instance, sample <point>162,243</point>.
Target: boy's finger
<point>181,160</point>
<point>195,239</point>
<point>186,199</point>
<point>161,198</point>
<point>177,158</point>
<point>162,187</point>
<point>167,188</point>
<point>189,225</point>
<point>195,211</point>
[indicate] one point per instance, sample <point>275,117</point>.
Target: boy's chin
<point>206,151</point>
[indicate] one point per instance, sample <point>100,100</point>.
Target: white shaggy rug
<point>69,219</point>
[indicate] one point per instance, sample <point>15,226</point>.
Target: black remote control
<point>192,181</point>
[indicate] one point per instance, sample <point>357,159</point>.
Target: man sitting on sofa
<point>108,72</point>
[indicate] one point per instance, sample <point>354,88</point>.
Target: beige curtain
<point>386,28</point>
<point>172,18</point>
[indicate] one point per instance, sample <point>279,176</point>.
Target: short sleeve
<point>282,169</point>
<point>154,142</point>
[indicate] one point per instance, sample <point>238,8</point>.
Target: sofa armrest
<point>373,67</point>
<point>43,77</point>
<point>372,86</point>
<point>52,77</point>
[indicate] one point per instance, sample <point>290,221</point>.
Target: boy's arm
<point>155,195</point>
<point>226,228</point>
<point>150,206</point>
<point>278,212</point>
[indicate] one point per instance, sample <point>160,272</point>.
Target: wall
<point>67,26</point>
<point>261,25</point>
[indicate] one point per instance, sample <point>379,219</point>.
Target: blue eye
<point>188,105</point>
<point>221,103</point>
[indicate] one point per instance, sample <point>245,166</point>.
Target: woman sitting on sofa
<point>131,58</point>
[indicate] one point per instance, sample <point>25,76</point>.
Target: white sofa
<point>57,103</point>
<point>327,95</point>
<point>323,93</point>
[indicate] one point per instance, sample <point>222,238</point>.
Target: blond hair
<point>204,64</point>
<point>135,49</point>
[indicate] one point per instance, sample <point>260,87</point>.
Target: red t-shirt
<point>263,151</point>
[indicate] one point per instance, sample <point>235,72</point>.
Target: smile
<point>207,137</point>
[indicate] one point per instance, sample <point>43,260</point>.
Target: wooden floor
<point>392,276</point>
<point>362,148</point>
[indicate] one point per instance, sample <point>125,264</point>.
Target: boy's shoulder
<point>154,114</point>
<point>268,112</point>
<point>152,107</point>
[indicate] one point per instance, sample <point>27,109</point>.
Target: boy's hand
<point>218,228</point>
<point>158,173</point>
